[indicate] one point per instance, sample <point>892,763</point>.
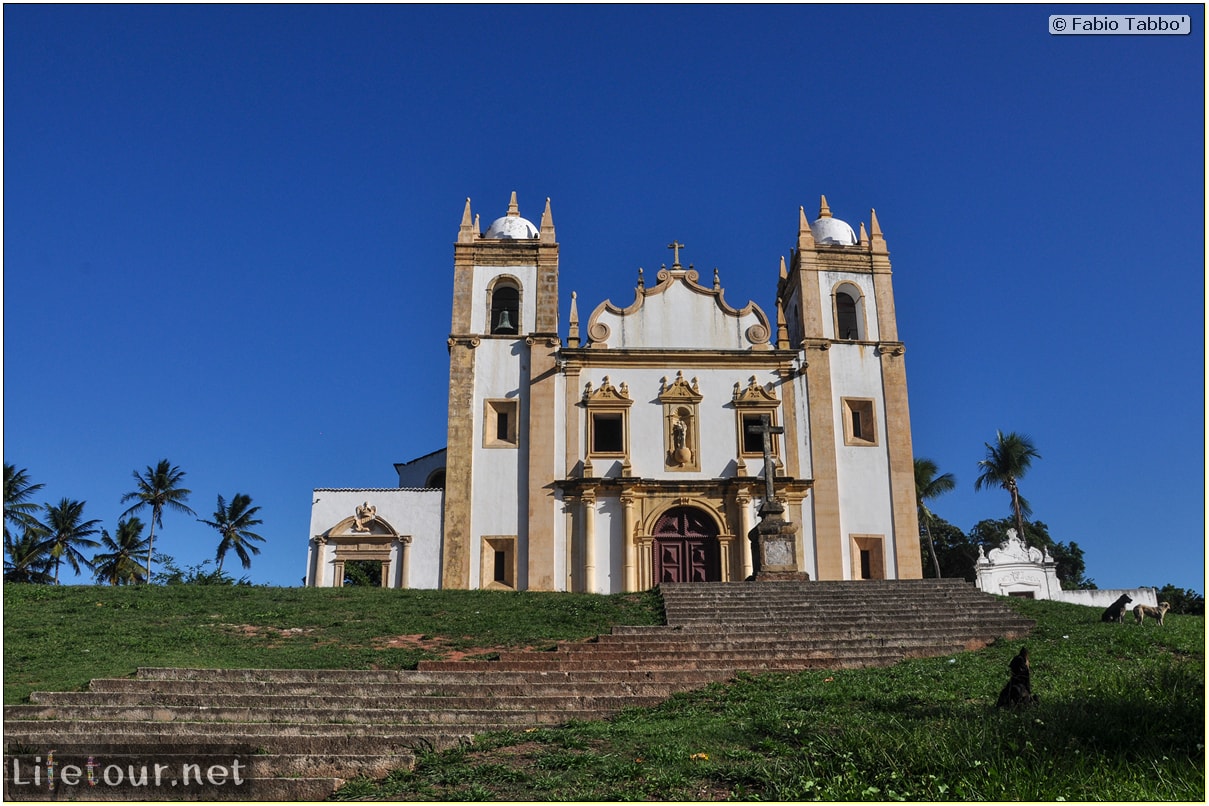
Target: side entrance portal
<point>686,548</point>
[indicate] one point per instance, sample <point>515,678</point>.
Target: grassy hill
<point>1121,718</point>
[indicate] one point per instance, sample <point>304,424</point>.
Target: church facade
<point>633,452</point>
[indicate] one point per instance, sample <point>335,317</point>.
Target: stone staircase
<point>299,733</point>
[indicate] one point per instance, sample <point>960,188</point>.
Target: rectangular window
<point>497,562</point>
<point>753,440</point>
<point>500,421</point>
<point>868,557</point>
<point>860,425</point>
<point>607,433</point>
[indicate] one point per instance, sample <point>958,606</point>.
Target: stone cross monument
<point>774,546</point>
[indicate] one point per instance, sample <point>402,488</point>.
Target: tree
<point>1006,462</point>
<point>928,485</point>
<point>27,558</point>
<point>67,533</point>
<point>18,509</point>
<point>156,489</point>
<point>120,565</point>
<point>1182,600</point>
<point>234,523</point>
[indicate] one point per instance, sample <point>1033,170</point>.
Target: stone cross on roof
<point>675,246</point>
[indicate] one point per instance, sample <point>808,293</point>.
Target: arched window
<point>436,480</point>
<point>505,309</point>
<point>845,315</point>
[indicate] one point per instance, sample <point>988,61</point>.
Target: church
<point>634,452</point>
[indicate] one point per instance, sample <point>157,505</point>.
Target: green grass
<point>59,638</point>
<point>1121,718</point>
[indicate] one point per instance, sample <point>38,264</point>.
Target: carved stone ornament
<point>606,392</point>
<point>1013,550</point>
<point>363,515</point>
<point>757,334</point>
<point>679,390</point>
<point>754,393</point>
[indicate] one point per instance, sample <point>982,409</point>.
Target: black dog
<point>1116,610</point>
<point>1019,688</point>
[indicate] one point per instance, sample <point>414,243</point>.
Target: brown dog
<point>1142,611</point>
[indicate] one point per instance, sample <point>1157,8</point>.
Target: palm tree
<point>928,485</point>
<point>27,558</point>
<point>1007,461</point>
<point>157,489</point>
<point>234,523</point>
<point>119,566</point>
<point>67,532</point>
<point>18,509</point>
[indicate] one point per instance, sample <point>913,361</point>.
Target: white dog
<point>1142,611</point>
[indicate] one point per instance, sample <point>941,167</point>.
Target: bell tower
<point>498,526</point>
<point>839,312</point>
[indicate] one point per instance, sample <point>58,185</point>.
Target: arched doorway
<point>685,547</point>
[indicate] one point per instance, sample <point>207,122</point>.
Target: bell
<point>505,322</point>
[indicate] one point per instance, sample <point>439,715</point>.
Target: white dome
<point>828,230</point>
<point>512,228</point>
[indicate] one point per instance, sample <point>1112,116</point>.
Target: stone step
<point>43,736</point>
<point>78,730</point>
<point>343,706</point>
<point>340,678</point>
<point>306,715</point>
<point>627,683</point>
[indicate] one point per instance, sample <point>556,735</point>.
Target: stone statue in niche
<point>681,454</point>
<point>363,515</point>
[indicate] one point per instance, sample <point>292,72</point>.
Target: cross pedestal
<point>774,545</point>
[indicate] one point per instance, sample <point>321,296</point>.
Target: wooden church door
<point>686,547</point>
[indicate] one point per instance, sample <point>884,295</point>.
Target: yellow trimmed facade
<point>623,454</point>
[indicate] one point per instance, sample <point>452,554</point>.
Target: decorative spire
<point>547,227</point>
<point>466,231</point>
<point>805,236</point>
<point>782,329</point>
<point>717,284</point>
<point>877,241</point>
<point>513,209</point>
<point>641,281</point>
<point>784,273</point>
<point>864,238</point>
<point>573,327</point>
<point>824,210</point>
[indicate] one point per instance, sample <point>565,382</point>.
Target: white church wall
<point>484,276</point>
<point>678,318</point>
<point>862,471</point>
<point>413,513</point>
<point>499,367</point>
<point>717,428</point>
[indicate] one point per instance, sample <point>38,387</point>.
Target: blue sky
<point>228,233</point>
